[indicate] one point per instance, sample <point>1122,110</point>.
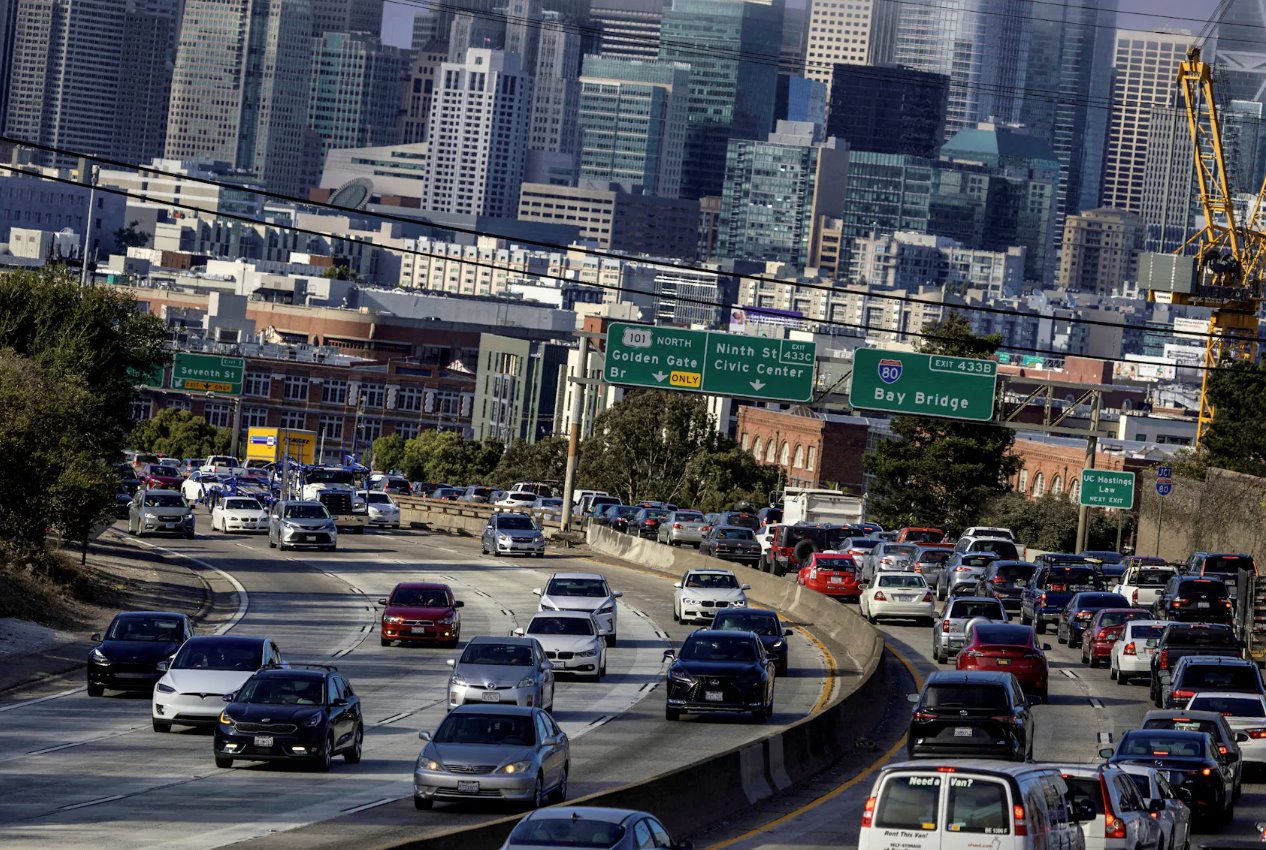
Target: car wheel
<point>222,761</point>
<point>271,544</point>
<point>676,616</point>
<point>559,794</point>
<point>423,804</point>
<point>326,757</point>
<point>162,726</point>
<point>539,798</point>
<point>96,690</point>
<point>1044,695</point>
<point>352,756</point>
<point>386,642</point>
<point>762,715</point>
<point>1039,627</point>
<point>937,655</point>
<point>940,591</point>
<point>360,529</point>
<point>671,714</point>
<point>1025,621</point>
<point>483,550</point>
<point>611,639</point>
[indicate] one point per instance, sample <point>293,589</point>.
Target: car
<point>1226,566</point>
<point>1000,546</point>
<point>731,543</point>
<point>218,463</point>
<point>792,545</point>
<point>1078,612</point>
<point>898,596</point>
<point>1122,819</point>
<point>198,486</point>
<point>1194,600</point>
<point>589,827</point>
<point>191,689</point>
<point>508,533</point>
<point>128,652</point>
<point>1226,743</point>
<point>504,752</point>
<point>833,574</point>
<point>681,527</point>
<point>447,494</point>
<point>295,524</point>
<point>309,715</point>
<point>892,557</point>
<point>478,494</point>
<point>971,714</point>
<point>381,507</point>
<point>397,484</point>
<point>157,511</point>
<point>1142,584</point>
<point>123,494</point>
<point>1172,815</point>
<point>1188,758</point>
<point>239,513</point>
<point>509,670</point>
<point>1132,653</point>
<point>1008,648</point>
<point>1005,581</point>
<point>619,517</point>
<point>646,522</point>
<point>421,612</point>
<point>991,531</point>
<point>517,499</point>
<point>161,477</point>
<point>763,623</point>
<point>1104,630</point>
<point>743,519</point>
<point>549,507</point>
<point>702,592</point>
<point>1244,713</point>
<point>593,505</point>
<point>1195,673</point>
<point>571,640</point>
<point>588,592</point>
<point>930,560</point>
<point>1043,599</point>
<point>720,672</point>
<point>962,569</point>
<point>920,535</point>
<point>949,630</point>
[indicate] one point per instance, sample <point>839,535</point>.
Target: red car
<point>1008,648</point>
<point>421,612</point>
<point>1104,630</point>
<point>834,574</point>
<point>161,477</point>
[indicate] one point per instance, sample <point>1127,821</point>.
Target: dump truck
<point>806,505</point>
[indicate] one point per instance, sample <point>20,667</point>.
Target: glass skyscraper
<point>1242,50</point>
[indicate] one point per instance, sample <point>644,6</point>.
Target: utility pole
<point>88,252</point>
<point>237,425</point>
<point>1092,448</point>
<point>573,431</point>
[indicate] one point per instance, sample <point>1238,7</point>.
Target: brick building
<point>812,450</point>
<point>1054,464</point>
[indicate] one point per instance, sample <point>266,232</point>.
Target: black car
<point>1194,600</point>
<point>1080,610</point>
<point>126,656</point>
<point>763,623</point>
<point>1226,748</point>
<point>971,714</point>
<point>720,672</point>
<point>1189,761</point>
<point>731,543</point>
<point>1005,581</point>
<point>645,523</point>
<point>307,714</point>
<point>743,519</point>
<point>1195,673</point>
<point>619,516</point>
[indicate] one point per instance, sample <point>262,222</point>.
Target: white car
<point>898,596</point>
<point>196,487</point>
<point>1143,584</point>
<point>1131,656</point>
<point>701,592</point>
<point>191,691</point>
<point>1175,817</point>
<point>1108,789</point>
<point>765,537</point>
<point>239,513</point>
<point>1244,713</point>
<point>587,592</point>
<point>518,499</point>
<point>571,642</point>
<point>383,511</point>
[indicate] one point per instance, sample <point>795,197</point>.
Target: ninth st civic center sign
<point>924,384</point>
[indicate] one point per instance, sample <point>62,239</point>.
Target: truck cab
<point>335,487</point>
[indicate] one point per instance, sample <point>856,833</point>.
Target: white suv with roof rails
<point>1123,820</point>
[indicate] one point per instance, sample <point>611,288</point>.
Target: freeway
<point>78,771</point>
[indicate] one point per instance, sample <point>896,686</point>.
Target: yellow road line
<point>837,790</point>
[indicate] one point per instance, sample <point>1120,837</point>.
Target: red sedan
<point>1008,648</point>
<point>1104,630</point>
<point>420,612</point>
<point>833,574</point>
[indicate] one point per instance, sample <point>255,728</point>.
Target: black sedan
<point>1187,759</point>
<point>291,714</point>
<point>126,656</point>
<point>645,523</point>
<point>761,622</point>
<point>720,672</point>
<point>731,543</point>
<point>1081,609</point>
<point>620,515</point>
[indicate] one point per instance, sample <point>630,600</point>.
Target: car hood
<point>137,650</point>
<point>167,513</point>
<point>576,603</point>
<point>497,754</point>
<point>565,643</point>
<point>411,612</point>
<point>244,513</point>
<point>207,681</point>
<point>497,675</point>
<point>261,713</point>
<point>718,668</point>
<point>717,594</point>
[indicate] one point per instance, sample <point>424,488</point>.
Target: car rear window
<point>1011,572</point>
<point>685,516</point>
<point>977,806</point>
<point>966,609</point>
<point>847,564</point>
<point>735,534</point>
<point>900,549</point>
<point>1116,618</point>
<point>1201,637</point>
<point>1228,705</point>
<point>1002,548</point>
<point>1203,588</point>
<point>1219,677</point>
<point>1152,578</point>
<point>1162,744</point>
<point>933,556</point>
<point>1146,632</point>
<point>1184,724</point>
<point>1102,600</point>
<point>909,802</point>
<point>917,535</point>
<point>1070,577</point>
<point>975,695</point>
<point>567,832</point>
<point>1003,636</point>
<point>1226,564</point>
<point>1085,789</point>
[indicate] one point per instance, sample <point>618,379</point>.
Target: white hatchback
<point>1131,656</point>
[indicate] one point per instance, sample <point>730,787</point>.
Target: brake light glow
<point>1208,771</point>
<point>868,813</point>
<point>1164,659</point>
<point>1017,812</point>
<point>1256,734</point>
<point>1134,597</point>
<point>1129,649</point>
<point>1102,634</point>
<point>1182,694</point>
<point>1113,826</point>
<point>923,716</point>
<point>929,597</point>
<point>945,625</point>
<point>1004,718</point>
<point>879,596</point>
<point>947,770</point>
<point>676,525</point>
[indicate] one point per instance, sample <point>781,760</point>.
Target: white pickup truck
<point>1143,583</point>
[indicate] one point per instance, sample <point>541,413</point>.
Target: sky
<point>1134,14</point>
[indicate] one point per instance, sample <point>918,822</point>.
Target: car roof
<point>717,633</point>
<point>773,615</point>
<point>973,598</point>
<point>420,585</point>
<point>244,640</point>
<point>573,615</point>
<point>126,614</point>
<point>586,812</point>
<point>288,502</point>
<point>1217,660</point>
<point>718,570</point>
<point>161,491</point>
<point>1173,713</point>
<point>492,708</point>
<point>731,528</point>
<point>577,575</point>
<point>512,639</point>
<point>293,673</point>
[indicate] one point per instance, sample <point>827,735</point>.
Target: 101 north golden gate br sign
<point>923,384</point>
<point>709,362</point>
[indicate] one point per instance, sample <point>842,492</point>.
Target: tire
<point>803,551</point>
<point>611,640</point>
<point>96,690</point>
<point>386,642</point>
<point>671,714</point>
<point>539,798</point>
<point>483,550</point>
<point>559,794</point>
<point>1044,695</point>
<point>353,754</point>
<point>360,529</point>
<point>162,726</point>
<point>1025,621</point>
<point>423,804</point>
<point>940,592</point>
<point>321,763</point>
<point>271,544</point>
<point>1039,627</point>
<point>937,655</point>
<point>223,762</point>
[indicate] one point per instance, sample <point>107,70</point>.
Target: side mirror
<point>518,632</point>
<point>788,632</point>
<point>1105,752</point>
<point>745,587</point>
<point>1241,737</point>
<point>1156,806</point>
<point>619,594</point>
<point>424,736</point>
<point>96,637</point>
<point>459,604</point>
<point>338,702</point>
<point>677,585</point>
<point>1046,647</point>
<point>382,601</point>
<point>229,697</point>
<point>163,666</point>
<point>536,591</point>
<point>452,662</point>
<point>670,655</point>
<point>546,665</point>
<point>912,698</point>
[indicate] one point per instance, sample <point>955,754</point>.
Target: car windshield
<point>976,695</point>
<point>758,623</point>
<point>499,654</point>
<point>163,500</point>
<point>1149,743</point>
<point>153,629</point>
<point>329,476</point>
<point>494,729</point>
<point>932,556</point>
<point>718,648</point>
<point>910,582</point>
<point>289,690</point>
<point>1152,577</point>
<point>1003,636</point>
<point>735,534</point>
<point>546,625</point>
<point>420,597</point>
<point>715,581</point>
<point>591,588</point>
<point>515,523</point>
<point>966,609</point>
<point>1230,706</point>
<point>567,832</point>
<point>242,505</point>
<point>306,512</point>
<point>218,655</point>
<point>379,498</point>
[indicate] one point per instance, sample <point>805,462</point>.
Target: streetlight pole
<point>88,252</point>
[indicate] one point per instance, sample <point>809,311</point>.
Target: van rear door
<point>977,812</point>
<point>941,810</point>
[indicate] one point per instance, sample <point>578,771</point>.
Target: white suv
<point>1112,792</point>
<point>1131,656</point>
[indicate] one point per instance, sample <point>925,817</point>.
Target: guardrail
<point>460,517</point>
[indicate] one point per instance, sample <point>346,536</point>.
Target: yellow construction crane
<point>1229,268</point>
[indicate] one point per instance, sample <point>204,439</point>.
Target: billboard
<point>1185,355</point>
<point>1140,367</point>
<point>746,320</point>
<point>1191,331</point>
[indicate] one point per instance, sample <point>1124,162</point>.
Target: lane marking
<point>1070,674</point>
<point>243,598</point>
<point>1105,737</point>
<point>39,700</point>
<point>91,803</point>
<point>354,809</point>
<point>1095,702</point>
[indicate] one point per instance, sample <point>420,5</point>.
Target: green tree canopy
<point>1236,438</point>
<point>178,433</point>
<point>445,456</point>
<point>389,453</point>
<point>544,461</point>
<point>941,472</point>
<point>1049,523</point>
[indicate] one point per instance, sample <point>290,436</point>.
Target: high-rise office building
<point>478,135</point>
<point>629,29</point>
<point>888,109</point>
<point>485,31</point>
<point>8,20</point>
<point>1146,64</point>
<point>1241,52</point>
<point>800,99</point>
<point>346,16</point>
<point>523,30</point>
<point>556,89</point>
<point>849,32</point>
<point>419,87</point>
<point>981,45</point>
<point>355,90</point>
<point>240,88</point>
<point>633,123</point>
<point>426,29</point>
<point>1100,250</point>
<point>732,90</point>
<point>1169,203</point>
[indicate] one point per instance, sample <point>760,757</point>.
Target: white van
<point>963,805</point>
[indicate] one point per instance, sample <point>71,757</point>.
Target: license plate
<point>465,786</point>
<point>713,696</point>
<point>492,696</point>
<point>836,580</point>
<point>1202,604</point>
<point>1003,661</point>
<point>418,630</point>
<point>263,740</point>
<point>962,732</point>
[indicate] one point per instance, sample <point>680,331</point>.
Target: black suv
<point>1195,673</point>
<point>1194,600</point>
<point>309,714</point>
<point>726,672</point>
<point>126,657</point>
<point>645,523</point>
<point>761,622</point>
<point>1189,761</point>
<point>743,519</point>
<point>969,715</point>
<point>1005,581</point>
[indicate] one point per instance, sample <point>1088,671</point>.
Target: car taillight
<point>1181,694</point>
<point>1164,659</point>
<point>1226,602</point>
<point>1129,649</point>
<point>1134,597</point>
<point>998,581</point>
<point>868,813</point>
<point>923,716</point>
<point>1042,599</point>
<point>1255,734</point>
<point>1207,771</point>
<point>1178,603</point>
<point>1021,827</point>
<point>1004,718</point>
<point>676,525</point>
<point>929,597</point>
<point>945,625</point>
<point>1102,634</point>
<point>1113,826</point>
<point>879,596</point>
<point>1084,615</point>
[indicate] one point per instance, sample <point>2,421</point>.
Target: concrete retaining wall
<point>465,518</point>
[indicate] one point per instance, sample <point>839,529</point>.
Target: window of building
<point>771,451</point>
<point>294,419</point>
<point>370,430</point>
<point>798,462</point>
<point>1022,483</point>
<point>1039,485</point>
<point>813,451</point>
<point>785,455</point>
<point>409,398</point>
<point>331,428</point>
<point>257,385</point>
<point>218,413</point>
<point>178,404</point>
<point>373,396</point>
<point>756,448</point>
<point>408,430</point>
<point>139,411</point>
<point>296,388</point>
<point>334,392</point>
<point>1057,485</point>
<point>254,417</point>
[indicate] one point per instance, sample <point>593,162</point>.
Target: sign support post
<point>579,388</point>
<point>1164,486</point>
<point>1092,448</point>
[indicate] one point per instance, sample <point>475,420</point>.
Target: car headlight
<point>588,653</point>
<point>393,619</point>
<point>515,767</point>
<point>458,680</point>
<point>679,675</point>
<point>99,657</point>
<point>546,606</point>
<point>226,720</point>
<point>607,609</point>
<point>742,600</point>
<point>527,682</point>
<point>165,689</point>
<point>312,720</point>
<point>449,620</point>
<point>503,538</point>
<point>149,516</point>
<point>776,645</point>
<point>425,763</point>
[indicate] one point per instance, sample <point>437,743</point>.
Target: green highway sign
<point>709,362</point>
<point>153,378</point>
<point>1107,488</point>
<point>207,373</point>
<point>923,384</point>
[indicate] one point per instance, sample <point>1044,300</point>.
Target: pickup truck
<point>342,506</point>
<point>1048,593</point>
<point>1143,584</point>
<point>1183,639</point>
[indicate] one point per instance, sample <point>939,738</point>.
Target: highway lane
<point>77,771</point>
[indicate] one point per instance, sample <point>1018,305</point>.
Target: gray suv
<point>293,524</point>
<point>508,533</point>
<point>949,630</point>
<point>152,511</point>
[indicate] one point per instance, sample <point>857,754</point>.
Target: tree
<point>340,272</point>
<point>544,461</point>
<point>445,456</point>
<point>728,475</point>
<point>389,453</point>
<point>1049,523</point>
<point>178,433</point>
<point>941,471</point>
<point>1236,439</point>
<point>130,237</point>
